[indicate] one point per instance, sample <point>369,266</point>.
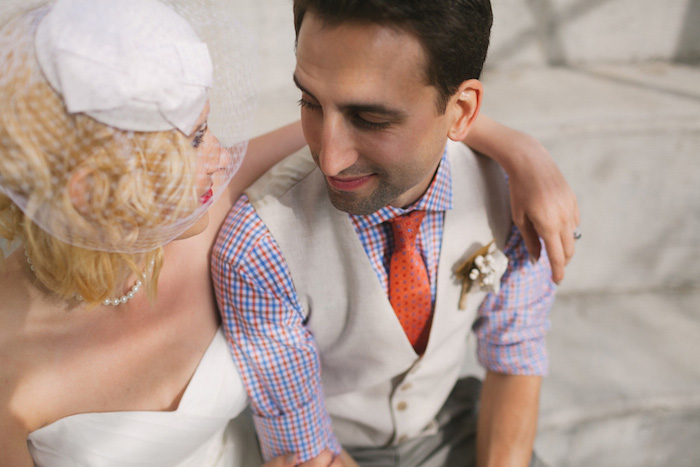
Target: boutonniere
<point>483,269</point>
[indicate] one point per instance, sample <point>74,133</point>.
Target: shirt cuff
<point>305,432</point>
<point>528,357</point>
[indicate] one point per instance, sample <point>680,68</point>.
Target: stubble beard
<point>355,204</point>
<point>389,188</point>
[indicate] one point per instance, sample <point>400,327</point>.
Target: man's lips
<point>349,183</point>
<point>206,196</point>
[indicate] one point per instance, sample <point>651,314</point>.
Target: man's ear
<point>464,106</point>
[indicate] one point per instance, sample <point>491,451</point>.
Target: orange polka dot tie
<point>409,289</point>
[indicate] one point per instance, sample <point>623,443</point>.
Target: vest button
<point>406,387</point>
<point>401,406</point>
<point>403,439</point>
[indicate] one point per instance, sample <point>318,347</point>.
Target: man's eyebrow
<point>379,109</point>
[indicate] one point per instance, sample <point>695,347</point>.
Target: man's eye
<point>368,125</point>
<point>304,104</point>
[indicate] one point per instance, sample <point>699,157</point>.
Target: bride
<point>115,188</point>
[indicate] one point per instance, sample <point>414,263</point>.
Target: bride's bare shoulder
<point>26,333</point>
<point>13,442</point>
<point>15,296</point>
<point>15,349</point>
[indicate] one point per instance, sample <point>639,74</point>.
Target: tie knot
<point>406,228</point>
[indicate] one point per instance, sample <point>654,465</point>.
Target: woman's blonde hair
<point>98,179</point>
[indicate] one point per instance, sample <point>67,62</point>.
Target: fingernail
<point>290,459</point>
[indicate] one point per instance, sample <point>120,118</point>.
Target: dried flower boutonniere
<point>484,268</point>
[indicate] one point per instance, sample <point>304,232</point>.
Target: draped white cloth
<point>199,433</point>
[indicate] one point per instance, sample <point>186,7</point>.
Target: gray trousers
<point>453,445</point>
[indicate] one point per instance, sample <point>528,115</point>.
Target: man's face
<point>368,114</point>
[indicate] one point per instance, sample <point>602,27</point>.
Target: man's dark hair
<point>454,33</point>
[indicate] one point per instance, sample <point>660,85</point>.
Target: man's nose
<point>337,149</point>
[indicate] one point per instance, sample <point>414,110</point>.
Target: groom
<point>355,278</point>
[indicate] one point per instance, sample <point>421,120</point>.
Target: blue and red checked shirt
<point>276,353</point>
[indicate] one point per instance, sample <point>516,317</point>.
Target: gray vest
<point>377,389</point>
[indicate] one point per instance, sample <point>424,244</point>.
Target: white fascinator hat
<point>102,103</point>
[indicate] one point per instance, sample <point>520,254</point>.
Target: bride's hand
<point>282,461</point>
<point>325,459</point>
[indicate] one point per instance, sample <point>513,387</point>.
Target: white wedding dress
<point>199,433</point>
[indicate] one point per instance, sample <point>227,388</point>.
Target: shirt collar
<point>438,197</point>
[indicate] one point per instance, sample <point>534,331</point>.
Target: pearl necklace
<point>133,290</point>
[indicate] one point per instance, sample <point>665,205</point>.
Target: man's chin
<point>352,203</point>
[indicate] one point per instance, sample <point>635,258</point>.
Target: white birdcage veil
<point>98,96</point>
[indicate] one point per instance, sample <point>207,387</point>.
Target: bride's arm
<point>541,200</point>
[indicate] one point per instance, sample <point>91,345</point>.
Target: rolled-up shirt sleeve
<point>275,353</point>
<point>512,323</point>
